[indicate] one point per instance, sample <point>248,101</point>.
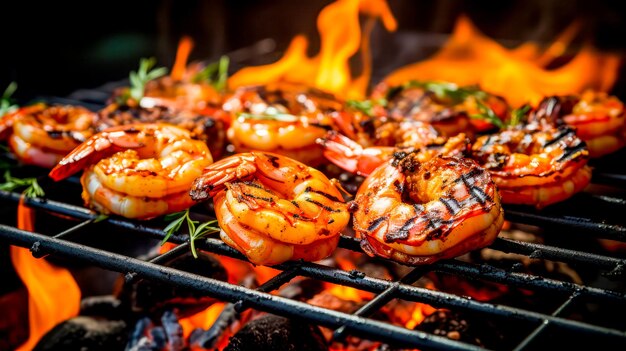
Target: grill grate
<point>65,244</point>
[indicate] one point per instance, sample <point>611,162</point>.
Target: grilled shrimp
<point>444,105</point>
<point>533,165</point>
<point>137,171</point>
<point>41,135</point>
<point>282,118</point>
<point>356,159</point>
<point>208,124</point>
<point>272,208</point>
<point>599,119</point>
<point>418,212</point>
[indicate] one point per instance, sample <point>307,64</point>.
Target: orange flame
<point>182,54</point>
<point>340,33</point>
<point>347,293</point>
<point>53,295</point>
<point>469,57</point>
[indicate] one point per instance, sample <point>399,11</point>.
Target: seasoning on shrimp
<point>418,212</point>
<point>534,165</point>
<point>599,119</point>
<point>446,106</point>
<point>283,118</point>
<point>41,135</point>
<point>137,171</point>
<point>273,208</point>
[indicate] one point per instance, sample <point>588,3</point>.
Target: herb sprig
<point>216,74</point>
<point>32,187</point>
<point>446,90</point>
<point>141,77</point>
<point>487,114</point>
<point>7,104</point>
<point>195,231</point>
<point>366,106</point>
<point>518,115</point>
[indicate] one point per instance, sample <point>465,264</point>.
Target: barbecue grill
<point>583,216</point>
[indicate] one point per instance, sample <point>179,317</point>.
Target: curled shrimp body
<point>208,124</point>
<point>272,208</point>
<point>137,171</point>
<point>282,118</point>
<point>41,135</point>
<point>534,166</point>
<point>444,105</point>
<point>419,212</point>
<point>599,119</point>
<point>352,157</point>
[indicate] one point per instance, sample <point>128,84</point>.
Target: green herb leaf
<point>518,115</point>
<point>101,217</point>
<point>144,74</point>
<point>7,104</point>
<point>177,219</point>
<point>487,114</point>
<point>366,106</point>
<point>32,187</point>
<point>446,90</point>
<point>202,231</point>
<point>216,74</point>
<point>195,231</point>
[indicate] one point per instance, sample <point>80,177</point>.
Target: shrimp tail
<point>218,174</point>
<point>100,146</point>
<point>352,157</point>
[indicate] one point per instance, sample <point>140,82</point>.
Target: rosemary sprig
<point>486,113</point>
<point>32,187</point>
<point>195,231</point>
<point>446,90</point>
<point>518,115</point>
<point>7,104</point>
<point>366,106</point>
<point>142,76</point>
<point>216,74</point>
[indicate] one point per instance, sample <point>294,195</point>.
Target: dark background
<point>53,48</point>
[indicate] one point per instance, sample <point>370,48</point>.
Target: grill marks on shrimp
<point>435,220</point>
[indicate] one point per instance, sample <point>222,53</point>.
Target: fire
<point>341,39</point>
<point>347,293</point>
<point>520,75</point>
<point>53,295</point>
<point>182,54</point>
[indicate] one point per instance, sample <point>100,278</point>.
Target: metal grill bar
<point>228,292</point>
<point>382,299</point>
<point>540,329</point>
<point>597,229</point>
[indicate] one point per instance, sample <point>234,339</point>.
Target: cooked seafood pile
<point>438,160</point>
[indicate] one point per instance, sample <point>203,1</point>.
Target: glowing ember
<point>204,319</point>
<point>519,75</point>
<point>182,54</point>
<point>340,33</point>
<point>53,295</point>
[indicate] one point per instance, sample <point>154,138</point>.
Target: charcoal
<point>273,333</point>
<point>146,296</point>
<point>106,306</point>
<point>465,328</point>
<point>85,334</point>
<point>173,330</point>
